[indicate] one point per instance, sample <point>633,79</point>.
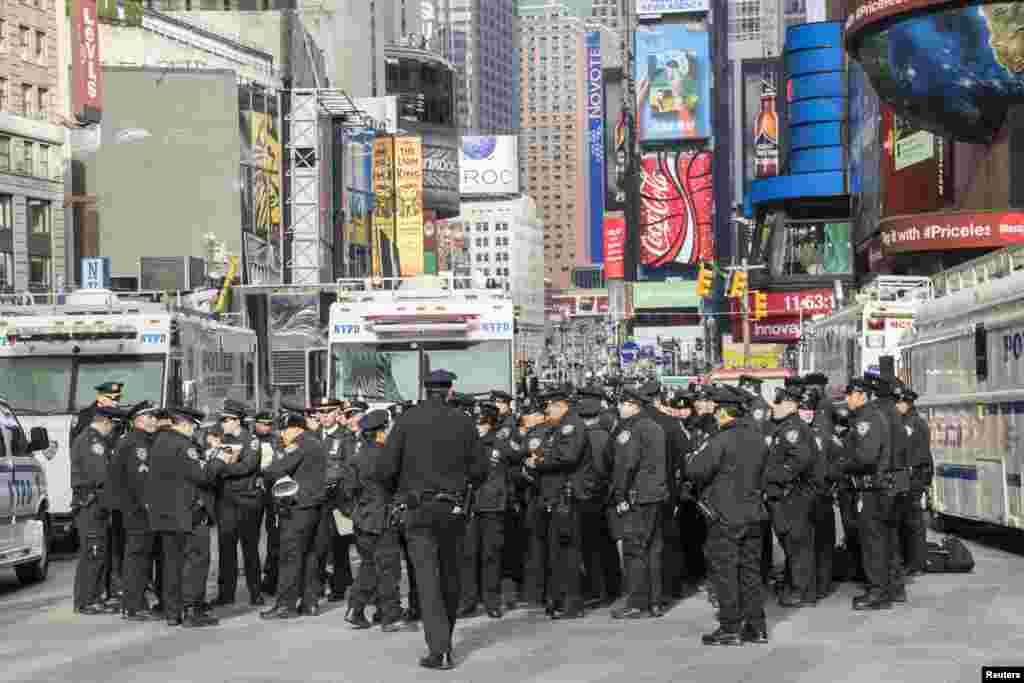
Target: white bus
<point>52,356</point>
<point>852,341</point>
<point>386,335</point>
<point>965,358</point>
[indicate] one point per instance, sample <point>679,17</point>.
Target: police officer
<point>564,450</point>
<point>129,472</point>
<point>266,442</point>
<point>179,500</point>
<point>430,459</point>
<point>922,467</point>
<point>759,410</point>
<point>825,477</point>
<point>485,537</point>
<point>789,491</point>
<point>305,463</point>
<point>600,556</point>
<point>91,502</point>
<point>728,470</point>
<point>866,455</point>
<point>339,444</point>
<point>639,490</point>
<point>693,527</point>
<point>521,550</point>
<point>898,474</point>
<point>239,508</point>
<point>503,401</point>
<point>108,395</point>
<point>369,503</point>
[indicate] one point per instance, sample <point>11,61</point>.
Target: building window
<point>6,269</point>
<point>44,161</point>
<point>25,37</point>
<point>813,249</point>
<point>26,99</point>
<point>5,153</point>
<point>42,101</point>
<point>39,216</point>
<point>40,47</point>
<point>3,35</point>
<point>28,150</point>
<point>6,212</point>
<point>4,95</point>
<point>39,271</point>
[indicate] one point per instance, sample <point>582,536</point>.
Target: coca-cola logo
<point>676,208</point>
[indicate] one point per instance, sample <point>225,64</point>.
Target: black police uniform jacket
<point>919,451</point>
<point>367,501</point>
<point>240,482</point>
<point>431,449</point>
<point>335,442</point>
<point>675,449</point>
<point>305,461</point>
<point>728,468</point>
<point>639,462</point>
<point>899,442</point>
<point>90,455</point>
<point>602,455</point>
<point>82,421</point>
<point>495,493</point>
<point>564,449</point>
<point>179,479</point>
<point>761,414</point>
<point>867,443</point>
<point>789,472</point>
<point>129,471</point>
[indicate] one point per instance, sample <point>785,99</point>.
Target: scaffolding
<point>308,244</point>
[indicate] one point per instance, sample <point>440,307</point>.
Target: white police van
<point>24,499</point>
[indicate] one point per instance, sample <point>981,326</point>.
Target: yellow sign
<point>409,219</point>
<point>266,148</point>
<point>767,356</point>
<point>383,232</point>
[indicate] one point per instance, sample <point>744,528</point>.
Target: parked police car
<point>24,500</point>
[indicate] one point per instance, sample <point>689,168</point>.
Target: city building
<point>552,69</point>
<point>504,241</point>
<point>483,48</point>
<point>32,232</point>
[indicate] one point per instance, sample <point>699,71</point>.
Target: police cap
<point>499,395</point>
<point>110,388</point>
<point>162,414</point>
<point>183,414</point>
<point>264,418</point>
<point>815,379</point>
<point>440,379</point>
<point>750,381</point>
<point>293,420</point>
<point>726,396</point>
<point>790,393</point>
<point>680,401</point>
<point>327,404</point>
<point>858,384</point>
<point>593,392</point>
<point>356,407</point>
<point>651,389</point>
<point>110,413</point>
<point>143,408</point>
<point>487,410</point>
<point>232,410</point>
<point>374,420</point>
<point>557,394</point>
<point>905,395</point>
<point>632,395</point>
<point>589,407</point>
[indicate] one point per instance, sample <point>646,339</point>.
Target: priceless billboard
<point>673,79</point>
<point>912,167</point>
<point>760,120</point>
<point>595,143</point>
<point>962,230</point>
<point>86,72</point>
<point>614,244</point>
<point>489,164</point>
<point>409,214</point>
<point>676,208</point>
<point>671,6</point>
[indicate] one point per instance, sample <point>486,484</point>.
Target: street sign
<point>96,272</point>
<point>629,351</point>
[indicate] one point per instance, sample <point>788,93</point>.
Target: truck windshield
<point>394,372</point>
<point>43,385</point>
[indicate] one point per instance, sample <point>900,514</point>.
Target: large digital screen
<point>676,204</point>
<point>673,78</point>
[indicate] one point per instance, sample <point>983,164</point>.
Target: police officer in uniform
<point>639,490</point>
<point>179,500</point>
<point>702,426</point>
<point>898,474</point>
<point>521,549</point>
<point>305,462</point>
<point>922,468</point>
<point>789,491</point>
<point>129,471</point>
<point>600,556</point>
<point>728,470</point>
<point>866,456</point>
<point>266,448</point>
<point>108,395</point>
<point>369,503</point>
<point>503,401</point>
<point>564,450</point>
<point>826,476</point>
<point>339,443</point>
<point>239,508</point>
<point>759,411</point>
<point>431,459</point>
<point>91,502</point>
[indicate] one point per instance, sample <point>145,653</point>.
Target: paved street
<point>951,627</point>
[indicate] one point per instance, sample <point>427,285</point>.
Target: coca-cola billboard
<point>676,208</point>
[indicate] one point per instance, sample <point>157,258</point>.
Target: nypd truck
<point>53,355</point>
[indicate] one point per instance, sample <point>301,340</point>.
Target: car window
<point>8,425</point>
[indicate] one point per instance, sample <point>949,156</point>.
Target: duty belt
<point>416,498</point>
<point>872,482</point>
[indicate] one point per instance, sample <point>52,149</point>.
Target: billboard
<point>384,248</point>
<point>381,112</point>
<point>655,7</point>
<point>760,122</point>
<point>960,230</point>
<point>912,167</point>
<point>676,208</point>
<point>595,142</point>
<point>489,165</point>
<point>653,295</point>
<point>266,149</point>
<point>614,245</point>
<point>409,205</point>
<point>865,154</point>
<point>673,76</point>
<point>357,174</point>
<point>86,72</point>
<point>614,132</point>
<point>125,12</point>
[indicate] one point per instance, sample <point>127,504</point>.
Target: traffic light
<point>516,311</point>
<point>738,284</point>
<point>760,305</point>
<point>705,279</point>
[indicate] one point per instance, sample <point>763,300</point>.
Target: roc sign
<point>86,74</point>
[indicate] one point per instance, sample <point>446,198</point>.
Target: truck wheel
<point>36,572</point>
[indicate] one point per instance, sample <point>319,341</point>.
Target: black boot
<point>442,660</point>
<point>754,634</point>
<point>872,600</point>
<point>195,617</point>
<point>721,637</point>
<point>357,618</point>
<point>280,612</point>
<point>898,594</point>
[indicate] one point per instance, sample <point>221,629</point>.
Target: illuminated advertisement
<point>676,207</point>
<point>911,167</point>
<point>124,12</point>
<point>488,165</point>
<point>266,149</point>
<point>357,197</point>
<point>385,256</point>
<point>760,119</point>
<point>961,230</point>
<point>595,142</point>
<point>673,82</point>
<point>865,154</point>
<point>409,205</point>
<point>954,71</point>
<point>614,244</point>
<point>655,7</point>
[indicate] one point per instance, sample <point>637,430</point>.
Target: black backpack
<point>949,557</point>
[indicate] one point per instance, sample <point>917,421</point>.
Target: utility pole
<point>745,269</point>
